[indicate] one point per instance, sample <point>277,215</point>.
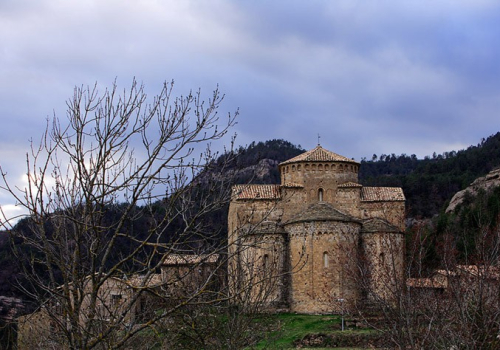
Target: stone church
<point>319,242</point>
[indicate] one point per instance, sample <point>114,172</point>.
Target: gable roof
<point>319,154</point>
<point>150,281</point>
<point>256,191</point>
<point>373,225</point>
<point>484,271</point>
<point>267,226</point>
<point>189,259</point>
<point>382,194</point>
<point>350,185</point>
<point>429,283</point>
<point>321,211</point>
<point>292,185</point>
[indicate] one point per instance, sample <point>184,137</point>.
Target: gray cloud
<point>370,77</point>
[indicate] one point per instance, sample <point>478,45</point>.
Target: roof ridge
<point>319,154</point>
<point>350,184</point>
<point>321,211</point>
<point>257,191</point>
<point>377,194</point>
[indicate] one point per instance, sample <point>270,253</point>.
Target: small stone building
<point>319,242</point>
<point>186,276</point>
<point>117,305</point>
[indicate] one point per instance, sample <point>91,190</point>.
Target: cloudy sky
<point>370,77</point>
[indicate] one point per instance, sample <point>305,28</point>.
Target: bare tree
<point>116,160</point>
<point>455,306</point>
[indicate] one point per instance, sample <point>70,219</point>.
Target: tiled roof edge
<point>253,192</point>
<point>382,194</point>
<point>318,154</point>
<point>349,185</point>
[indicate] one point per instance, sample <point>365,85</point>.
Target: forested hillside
<point>429,183</point>
<point>255,163</point>
<point>258,162</point>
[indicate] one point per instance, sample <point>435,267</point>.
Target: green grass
<point>291,327</point>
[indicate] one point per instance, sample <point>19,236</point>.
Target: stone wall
<point>321,211</point>
<point>384,258</point>
<point>322,265</point>
<point>393,212</point>
<point>314,175</point>
<point>347,201</point>
<point>183,281</point>
<point>37,331</point>
<point>257,276</point>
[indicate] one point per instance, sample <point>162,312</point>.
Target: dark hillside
<point>258,162</point>
<point>429,183</point>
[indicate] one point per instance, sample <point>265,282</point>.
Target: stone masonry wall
<point>347,201</point>
<point>322,268</point>
<point>261,260</point>
<point>318,259</point>
<point>314,175</point>
<point>393,212</point>
<point>384,258</point>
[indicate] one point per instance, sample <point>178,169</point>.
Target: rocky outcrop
<point>488,182</point>
<point>260,172</point>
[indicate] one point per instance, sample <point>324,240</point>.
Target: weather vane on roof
<point>318,139</point>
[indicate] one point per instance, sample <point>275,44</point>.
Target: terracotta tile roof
<point>440,277</point>
<point>446,273</point>
<point>492,272</point>
<point>425,283</point>
<point>153,280</point>
<point>189,259</point>
<point>321,211</point>
<point>382,194</point>
<point>257,191</point>
<point>268,226</point>
<point>319,154</point>
<point>350,184</point>
<point>291,184</point>
<point>135,281</point>
<point>373,225</point>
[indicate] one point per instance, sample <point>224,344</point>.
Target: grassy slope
<point>292,327</point>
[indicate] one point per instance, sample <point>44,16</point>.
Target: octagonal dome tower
<point>318,164</point>
<point>319,173</point>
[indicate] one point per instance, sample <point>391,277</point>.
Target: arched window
<point>265,262</point>
<point>381,258</point>
<point>325,259</point>
<point>320,195</point>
